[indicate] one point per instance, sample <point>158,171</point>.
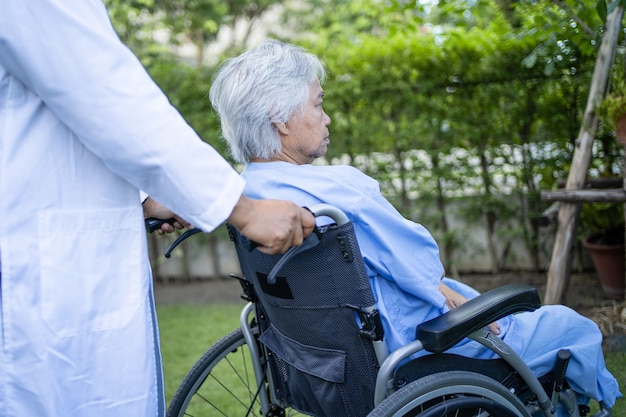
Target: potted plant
<point>602,225</point>
<point>612,109</point>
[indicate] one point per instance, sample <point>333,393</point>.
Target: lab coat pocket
<point>90,269</point>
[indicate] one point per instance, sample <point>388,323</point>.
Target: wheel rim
<point>471,393</point>
<point>468,406</point>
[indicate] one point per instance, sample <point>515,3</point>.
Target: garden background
<point>464,110</point>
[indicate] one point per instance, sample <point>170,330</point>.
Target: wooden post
<point>560,263</point>
<point>617,195</point>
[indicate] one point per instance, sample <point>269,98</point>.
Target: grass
<point>187,331</point>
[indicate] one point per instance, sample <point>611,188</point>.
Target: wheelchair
<point>311,343</point>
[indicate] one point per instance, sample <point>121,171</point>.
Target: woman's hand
<point>454,299</point>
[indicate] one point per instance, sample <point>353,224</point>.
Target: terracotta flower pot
<point>609,262</point>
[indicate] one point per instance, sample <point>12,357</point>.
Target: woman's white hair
<point>258,89</point>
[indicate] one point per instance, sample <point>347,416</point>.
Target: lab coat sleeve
<point>67,53</point>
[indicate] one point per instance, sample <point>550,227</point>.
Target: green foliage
<point>183,22</point>
<point>604,9</point>
<point>134,25</point>
<point>196,21</point>
<point>613,107</point>
<point>437,101</point>
<point>188,88</point>
<point>604,221</point>
<point>505,81</point>
<point>567,34</point>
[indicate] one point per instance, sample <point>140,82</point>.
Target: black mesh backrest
<point>326,367</point>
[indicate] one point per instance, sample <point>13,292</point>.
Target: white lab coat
<point>82,129</point>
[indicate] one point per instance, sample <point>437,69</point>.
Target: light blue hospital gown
<point>404,267</point>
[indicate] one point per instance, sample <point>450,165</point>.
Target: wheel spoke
<point>221,383</point>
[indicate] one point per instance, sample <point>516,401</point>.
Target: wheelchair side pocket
<point>313,377</point>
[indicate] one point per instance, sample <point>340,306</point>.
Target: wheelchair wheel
<point>221,383</point>
<point>453,393</point>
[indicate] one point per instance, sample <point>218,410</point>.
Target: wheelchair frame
<point>437,335</point>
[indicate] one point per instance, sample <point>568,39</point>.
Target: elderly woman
<point>269,101</point>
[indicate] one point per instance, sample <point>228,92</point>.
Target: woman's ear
<point>282,128</point>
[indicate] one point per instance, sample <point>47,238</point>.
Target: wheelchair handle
<point>333,212</point>
<point>318,210</point>
<point>153,224</point>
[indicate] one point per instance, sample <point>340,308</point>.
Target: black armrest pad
<point>443,332</point>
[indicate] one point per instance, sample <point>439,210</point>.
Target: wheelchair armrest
<point>443,332</point>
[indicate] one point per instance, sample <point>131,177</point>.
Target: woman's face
<point>305,135</point>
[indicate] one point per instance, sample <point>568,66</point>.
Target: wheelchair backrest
<point>324,365</point>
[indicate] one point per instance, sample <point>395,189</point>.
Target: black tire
<point>221,383</point>
<point>453,393</point>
